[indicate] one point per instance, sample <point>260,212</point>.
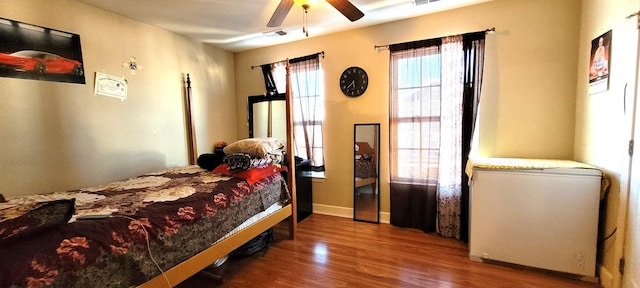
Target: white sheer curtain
<point>279,72</point>
<point>308,105</point>
<point>449,191</point>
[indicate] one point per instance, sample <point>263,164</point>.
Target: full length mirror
<point>267,118</point>
<point>366,184</point>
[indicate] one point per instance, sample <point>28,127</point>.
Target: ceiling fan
<point>343,6</point>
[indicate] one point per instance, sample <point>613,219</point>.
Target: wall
<point>602,124</point>
<point>528,106</point>
<point>60,136</point>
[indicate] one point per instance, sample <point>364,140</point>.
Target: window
<point>308,106</point>
<point>415,115</point>
<point>308,110</point>
<point>434,92</point>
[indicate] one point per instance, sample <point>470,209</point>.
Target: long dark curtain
<point>269,81</point>
<point>413,206</point>
<point>473,44</point>
<point>437,202</point>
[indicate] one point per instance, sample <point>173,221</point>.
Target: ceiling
<point>238,25</point>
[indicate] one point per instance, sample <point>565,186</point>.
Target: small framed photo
<point>600,63</point>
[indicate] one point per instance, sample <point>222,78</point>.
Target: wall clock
<point>354,81</point>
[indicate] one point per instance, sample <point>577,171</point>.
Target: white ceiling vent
<point>278,32</point>
<point>420,2</point>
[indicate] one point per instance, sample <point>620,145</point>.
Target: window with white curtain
<point>434,95</point>
<point>308,106</point>
<point>415,115</point>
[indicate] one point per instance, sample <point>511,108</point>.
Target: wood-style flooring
<point>339,252</point>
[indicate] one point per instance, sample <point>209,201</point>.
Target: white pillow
<point>258,147</point>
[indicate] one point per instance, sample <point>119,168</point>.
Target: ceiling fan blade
<point>281,12</point>
<point>347,9</point>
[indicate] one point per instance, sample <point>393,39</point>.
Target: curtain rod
<point>321,53</point>
<point>489,31</point>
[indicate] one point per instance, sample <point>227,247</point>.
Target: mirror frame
<point>377,167</point>
<point>257,99</point>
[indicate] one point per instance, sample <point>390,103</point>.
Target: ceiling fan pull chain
<point>305,29</point>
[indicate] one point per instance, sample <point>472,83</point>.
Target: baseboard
<point>344,212</point>
<point>385,217</point>
<point>333,210</point>
<point>606,277</point>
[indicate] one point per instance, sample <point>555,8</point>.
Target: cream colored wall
<point>528,106</point>
<point>58,136</point>
<point>602,125</point>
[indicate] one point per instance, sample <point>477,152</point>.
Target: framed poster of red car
<point>29,51</point>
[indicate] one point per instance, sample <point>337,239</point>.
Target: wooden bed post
<point>291,176</point>
<point>192,149</point>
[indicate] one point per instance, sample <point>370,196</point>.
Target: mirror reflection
<point>366,196</point>
<point>267,117</point>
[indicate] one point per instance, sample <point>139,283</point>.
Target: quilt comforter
<point>156,221</point>
<point>365,168</point>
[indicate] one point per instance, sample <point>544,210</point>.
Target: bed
<point>365,166</point>
<point>154,230</point>
<point>180,212</point>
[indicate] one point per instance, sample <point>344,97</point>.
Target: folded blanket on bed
<point>251,153</point>
<point>244,161</point>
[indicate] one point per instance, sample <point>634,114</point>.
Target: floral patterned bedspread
<point>172,214</point>
<point>365,168</point>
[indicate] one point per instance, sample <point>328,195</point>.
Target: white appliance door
<point>536,219</point>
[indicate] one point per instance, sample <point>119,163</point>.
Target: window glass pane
<point>430,101</point>
<point>418,164</point>
<point>416,124</point>
<point>309,106</point>
<point>406,102</point>
<point>408,135</point>
<point>409,163</point>
<point>407,76</point>
<point>431,135</point>
<point>430,72</point>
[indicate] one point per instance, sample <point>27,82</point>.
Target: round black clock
<point>354,81</point>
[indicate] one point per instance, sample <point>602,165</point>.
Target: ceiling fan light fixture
<point>305,4</point>
<point>343,6</point>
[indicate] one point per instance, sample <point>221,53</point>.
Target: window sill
<point>317,176</point>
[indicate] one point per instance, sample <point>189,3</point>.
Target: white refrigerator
<point>543,218</point>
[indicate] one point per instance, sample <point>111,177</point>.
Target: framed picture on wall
<point>600,63</point>
<point>29,51</point>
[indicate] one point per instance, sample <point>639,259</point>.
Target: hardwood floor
<point>339,252</point>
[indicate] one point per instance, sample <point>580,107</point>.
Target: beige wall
<point>528,106</point>
<point>602,124</point>
<point>58,136</point>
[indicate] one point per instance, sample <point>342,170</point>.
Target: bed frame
<point>195,264</point>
